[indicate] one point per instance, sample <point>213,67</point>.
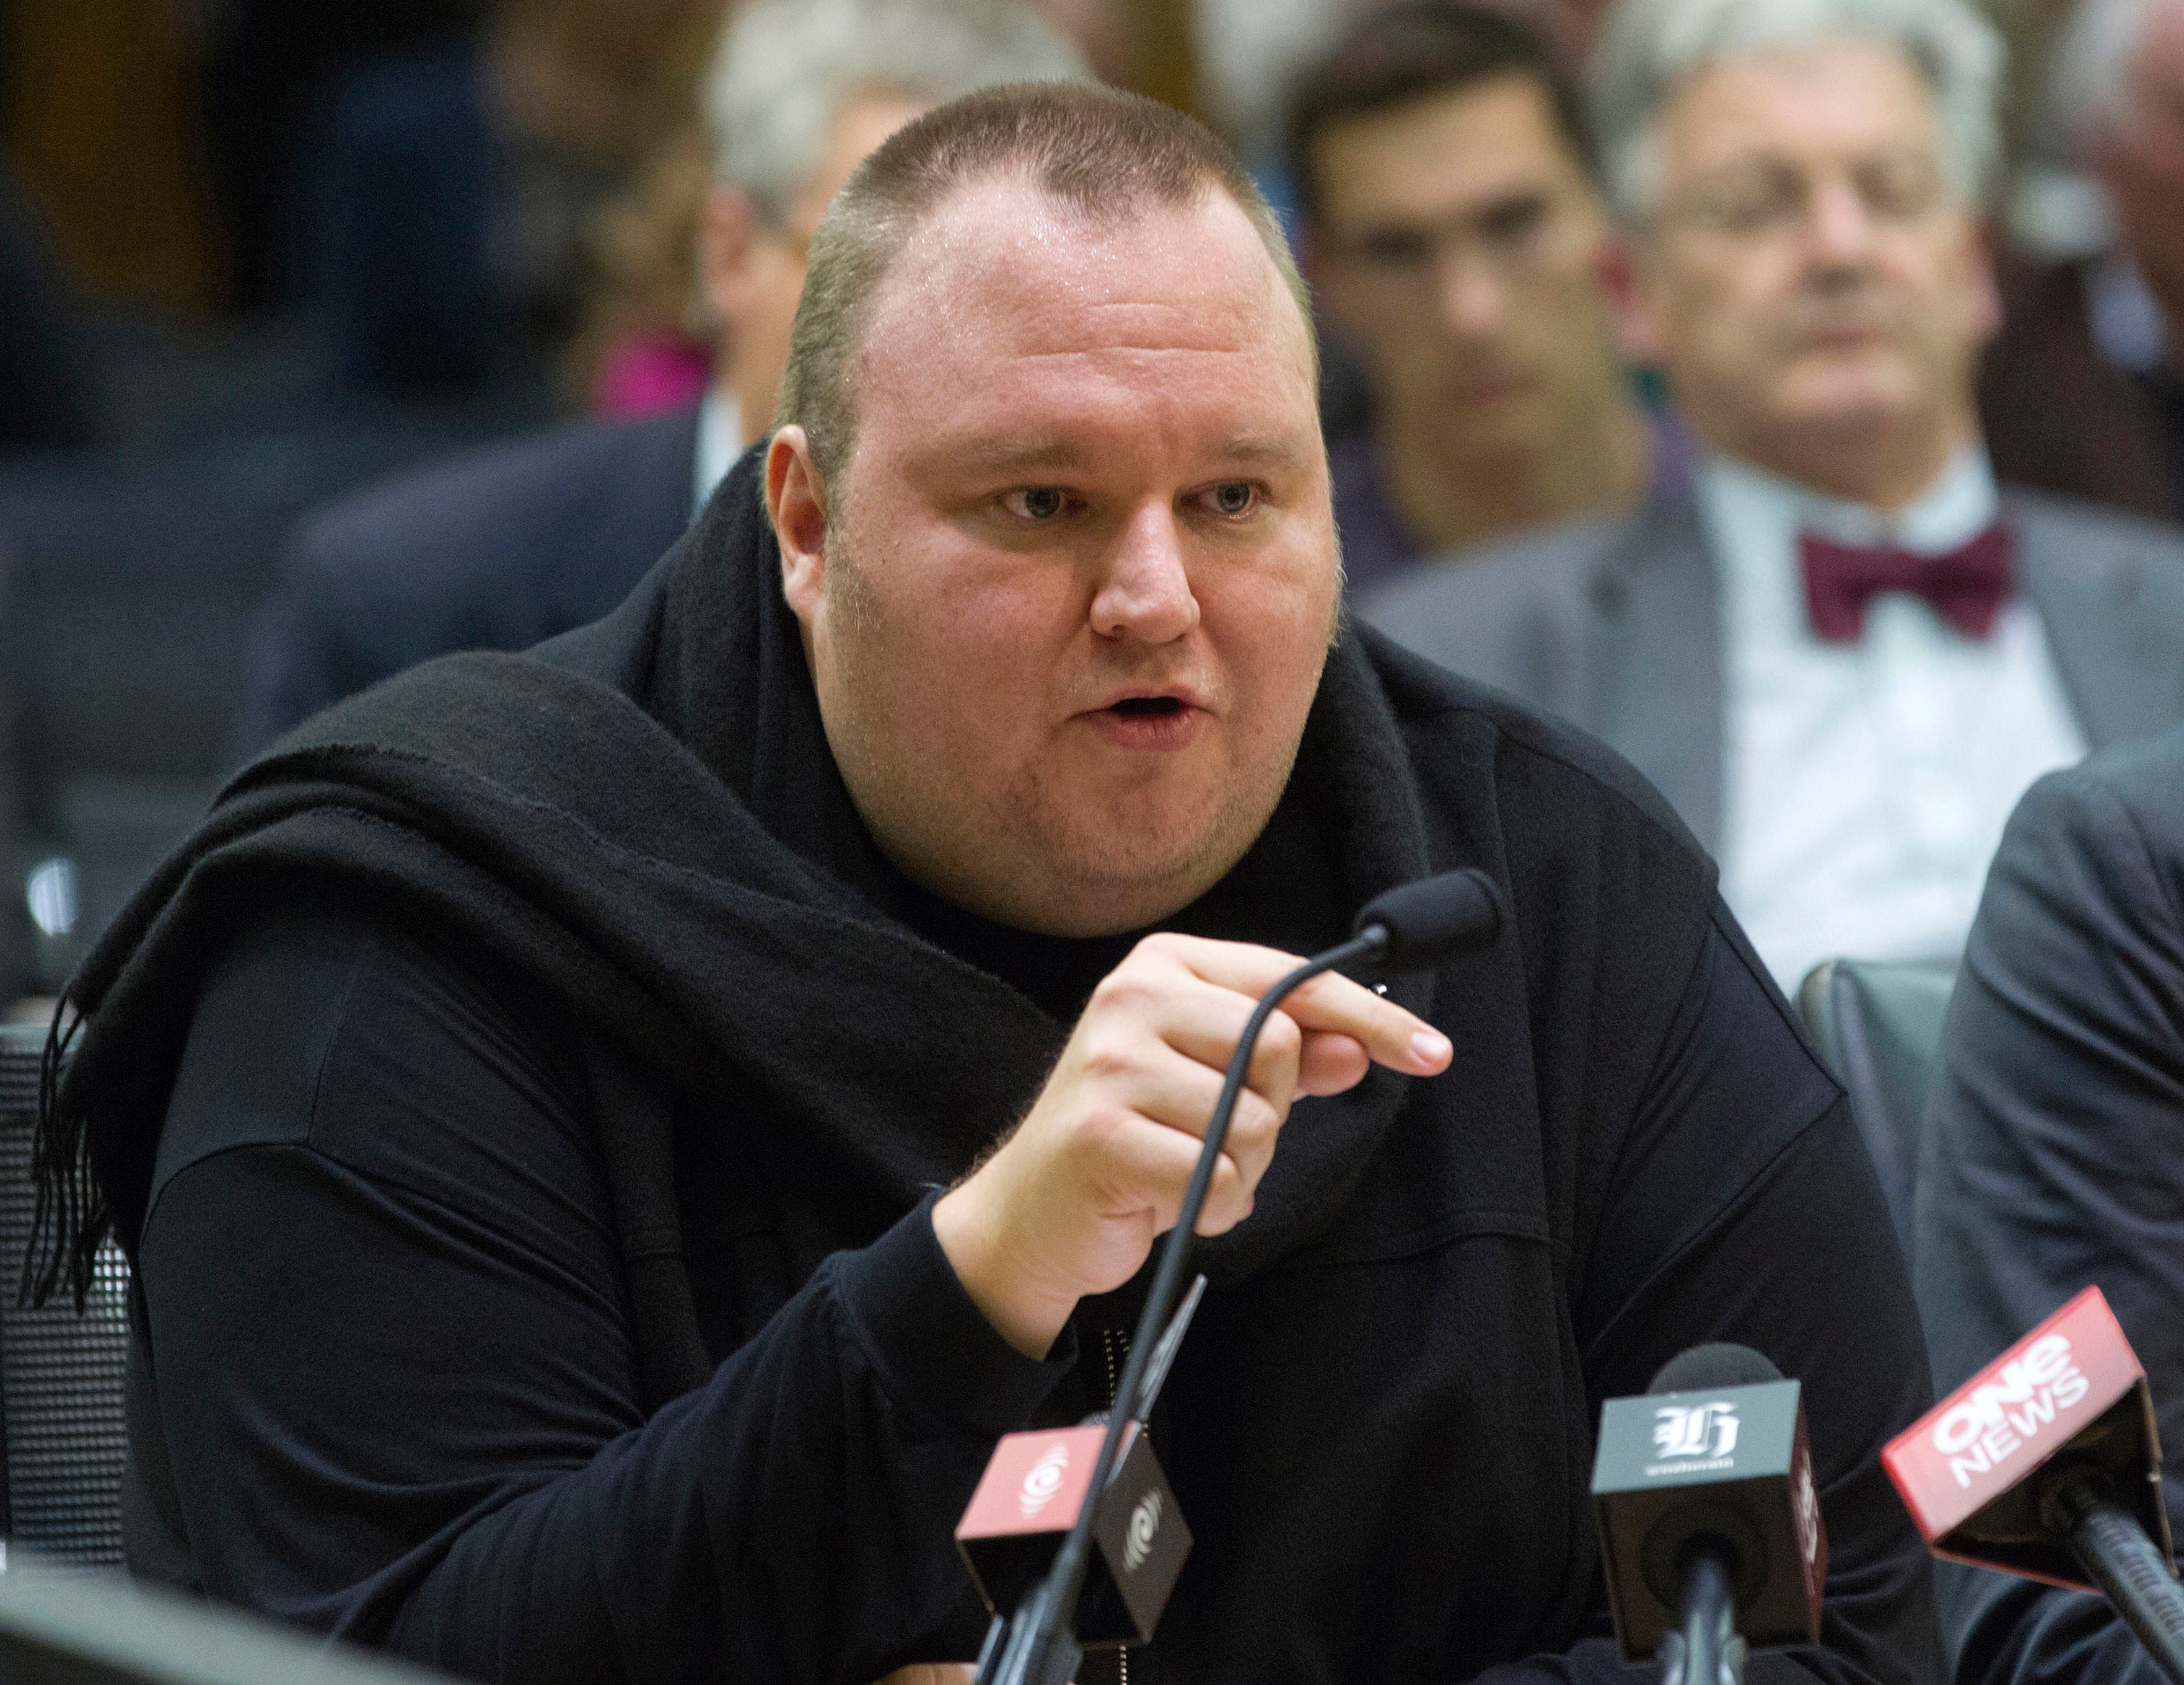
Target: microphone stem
<point>1709,1615</point>
<point>1030,1662</point>
<point>2128,1567</point>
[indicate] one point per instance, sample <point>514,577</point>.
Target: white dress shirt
<point>720,442</point>
<point>1867,783</point>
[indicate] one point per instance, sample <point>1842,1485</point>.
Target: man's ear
<point>1621,269</point>
<point>1984,299</point>
<point>796,503</point>
<point>727,238</point>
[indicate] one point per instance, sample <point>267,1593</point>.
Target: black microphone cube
<point>1732,1463</point>
<point>1026,1502</point>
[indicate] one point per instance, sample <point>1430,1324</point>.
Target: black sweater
<point>429,1373</point>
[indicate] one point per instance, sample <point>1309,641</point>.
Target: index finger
<point>1329,1002</point>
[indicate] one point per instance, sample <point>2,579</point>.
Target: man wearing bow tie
<point>1846,652</point>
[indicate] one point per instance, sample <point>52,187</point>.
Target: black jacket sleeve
<point>398,1386</point>
<point>2054,1136</point>
<point>1741,1207</point>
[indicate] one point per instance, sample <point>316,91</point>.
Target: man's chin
<point>1867,388</point>
<point>1127,875</point>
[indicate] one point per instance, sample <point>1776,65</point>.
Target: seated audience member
<point>1846,655</point>
<point>647,341</point>
<point>2054,1149</point>
<point>2084,392</point>
<point>507,545</point>
<point>609,1136</point>
<point>1453,230</point>
<point>46,362</point>
<point>448,188</point>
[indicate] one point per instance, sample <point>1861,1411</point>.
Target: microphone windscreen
<point>1706,1368</point>
<point>1434,918</point>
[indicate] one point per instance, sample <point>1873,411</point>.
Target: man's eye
<point>1395,248</point>
<point>1233,497</point>
<point>1036,503</point>
<point>1515,220</point>
<point>1901,188</point>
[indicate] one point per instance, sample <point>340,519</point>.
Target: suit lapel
<point>2116,642</point>
<point>1656,693</point>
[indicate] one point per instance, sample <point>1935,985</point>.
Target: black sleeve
<point>1742,1208</point>
<point>396,1374</point>
<point>2054,1136</point>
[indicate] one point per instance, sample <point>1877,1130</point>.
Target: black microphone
<point>1420,924</point>
<point>1709,1519</point>
<point>1409,928</point>
<point>2047,1464</point>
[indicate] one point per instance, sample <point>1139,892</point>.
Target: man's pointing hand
<point>1071,1203</point>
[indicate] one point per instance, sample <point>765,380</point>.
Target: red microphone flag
<point>1964,1469</point>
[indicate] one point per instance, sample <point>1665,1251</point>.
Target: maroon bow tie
<point>1966,587</point>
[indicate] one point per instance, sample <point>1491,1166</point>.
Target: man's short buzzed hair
<point>1103,155</point>
<point>1397,55</point>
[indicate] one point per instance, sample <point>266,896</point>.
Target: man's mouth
<point>1148,722</point>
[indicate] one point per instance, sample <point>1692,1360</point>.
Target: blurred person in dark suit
<point>45,369</point>
<point>264,67</point>
<point>505,547</point>
<point>2053,1155</point>
<point>443,195</point>
<point>1454,232</point>
<point>1845,656</point>
<point>2084,392</point>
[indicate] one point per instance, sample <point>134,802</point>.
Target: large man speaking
<point>553,1103</point>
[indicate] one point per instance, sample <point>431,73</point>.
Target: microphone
<point>1709,1520</point>
<point>1408,928</point>
<point>1031,1494</point>
<point>1029,1498</point>
<point>1420,924</point>
<point>2046,1464</point>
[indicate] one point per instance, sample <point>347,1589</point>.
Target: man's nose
<point>1145,594</point>
<point>1473,297</point>
<point>1840,225</point>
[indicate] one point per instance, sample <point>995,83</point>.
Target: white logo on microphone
<point>1043,1481</point>
<point>1806,1500</point>
<point>1144,1522</point>
<point>1702,1431</point>
<point>1981,1431</point>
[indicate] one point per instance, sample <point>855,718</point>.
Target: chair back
<point>132,586</point>
<point>1878,1025</point>
<point>64,1439</point>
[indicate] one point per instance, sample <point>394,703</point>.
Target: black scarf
<point>644,816</point>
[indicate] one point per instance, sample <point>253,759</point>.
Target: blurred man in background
<point>1847,656</point>
<point>1454,232</point>
<point>510,545</point>
<point>2054,1136</point>
<point>2084,393</point>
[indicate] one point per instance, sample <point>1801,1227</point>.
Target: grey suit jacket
<point>1616,625</point>
<point>2053,1155</point>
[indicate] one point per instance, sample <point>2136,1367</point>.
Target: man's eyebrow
<point>1272,450</point>
<point>1014,456</point>
<point>1008,457</point>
